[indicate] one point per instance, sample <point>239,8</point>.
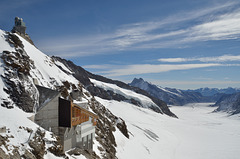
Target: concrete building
<point>74,124</point>
<point>19,26</point>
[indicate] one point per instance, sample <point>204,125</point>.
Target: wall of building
<point>47,116</point>
<point>80,136</point>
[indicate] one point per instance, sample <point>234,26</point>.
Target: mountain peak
<point>137,80</point>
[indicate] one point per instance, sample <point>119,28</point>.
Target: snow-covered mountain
<point>171,96</point>
<point>229,103</point>
<point>22,65</point>
<point>115,90</point>
<point>214,91</point>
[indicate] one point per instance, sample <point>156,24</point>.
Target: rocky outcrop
<point>105,128</point>
<point>88,154</point>
<point>21,88</point>
<point>38,144</point>
<point>15,152</point>
<point>229,103</point>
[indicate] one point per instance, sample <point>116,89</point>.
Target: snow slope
<point>46,71</point>
<point>197,134</point>
<point>16,122</point>
<point>144,100</point>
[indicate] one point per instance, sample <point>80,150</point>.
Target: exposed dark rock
<point>38,144</point>
<point>3,155</point>
<point>86,153</point>
<point>15,154</point>
<point>79,72</point>
<point>21,95</point>
<point>229,103</point>
<point>13,39</point>
<point>3,140</point>
<point>105,128</point>
<point>57,148</point>
<point>121,125</point>
<point>28,155</point>
<point>19,86</point>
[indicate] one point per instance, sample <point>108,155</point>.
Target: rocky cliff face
<point>20,86</point>
<point>229,103</point>
<point>169,95</point>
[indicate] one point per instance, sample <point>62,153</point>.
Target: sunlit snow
<point>197,134</point>
<point>146,102</point>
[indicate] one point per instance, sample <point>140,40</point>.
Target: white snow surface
<point>145,101</point>
<point>197,134</point>
<point>46,72</point>
<point>14,119</point>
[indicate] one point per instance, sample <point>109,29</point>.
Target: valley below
<point>198,132</point>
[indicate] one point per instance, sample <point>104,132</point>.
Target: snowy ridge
<point>171,96</point>
<point>145,101</point>
<point>165,90</point>
<point>45,70</point>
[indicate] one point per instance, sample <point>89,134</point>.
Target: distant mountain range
<point>213,91</point>
<point>173,96</point>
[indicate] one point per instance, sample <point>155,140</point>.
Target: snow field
<point>197,134</point>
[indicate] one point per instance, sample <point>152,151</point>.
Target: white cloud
<point>224,58</point>
<point>174,59</point>
<point>105,66</point>
<point>224,24</point>
<point>149,68</point>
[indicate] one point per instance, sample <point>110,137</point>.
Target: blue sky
<point>183,44</point>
